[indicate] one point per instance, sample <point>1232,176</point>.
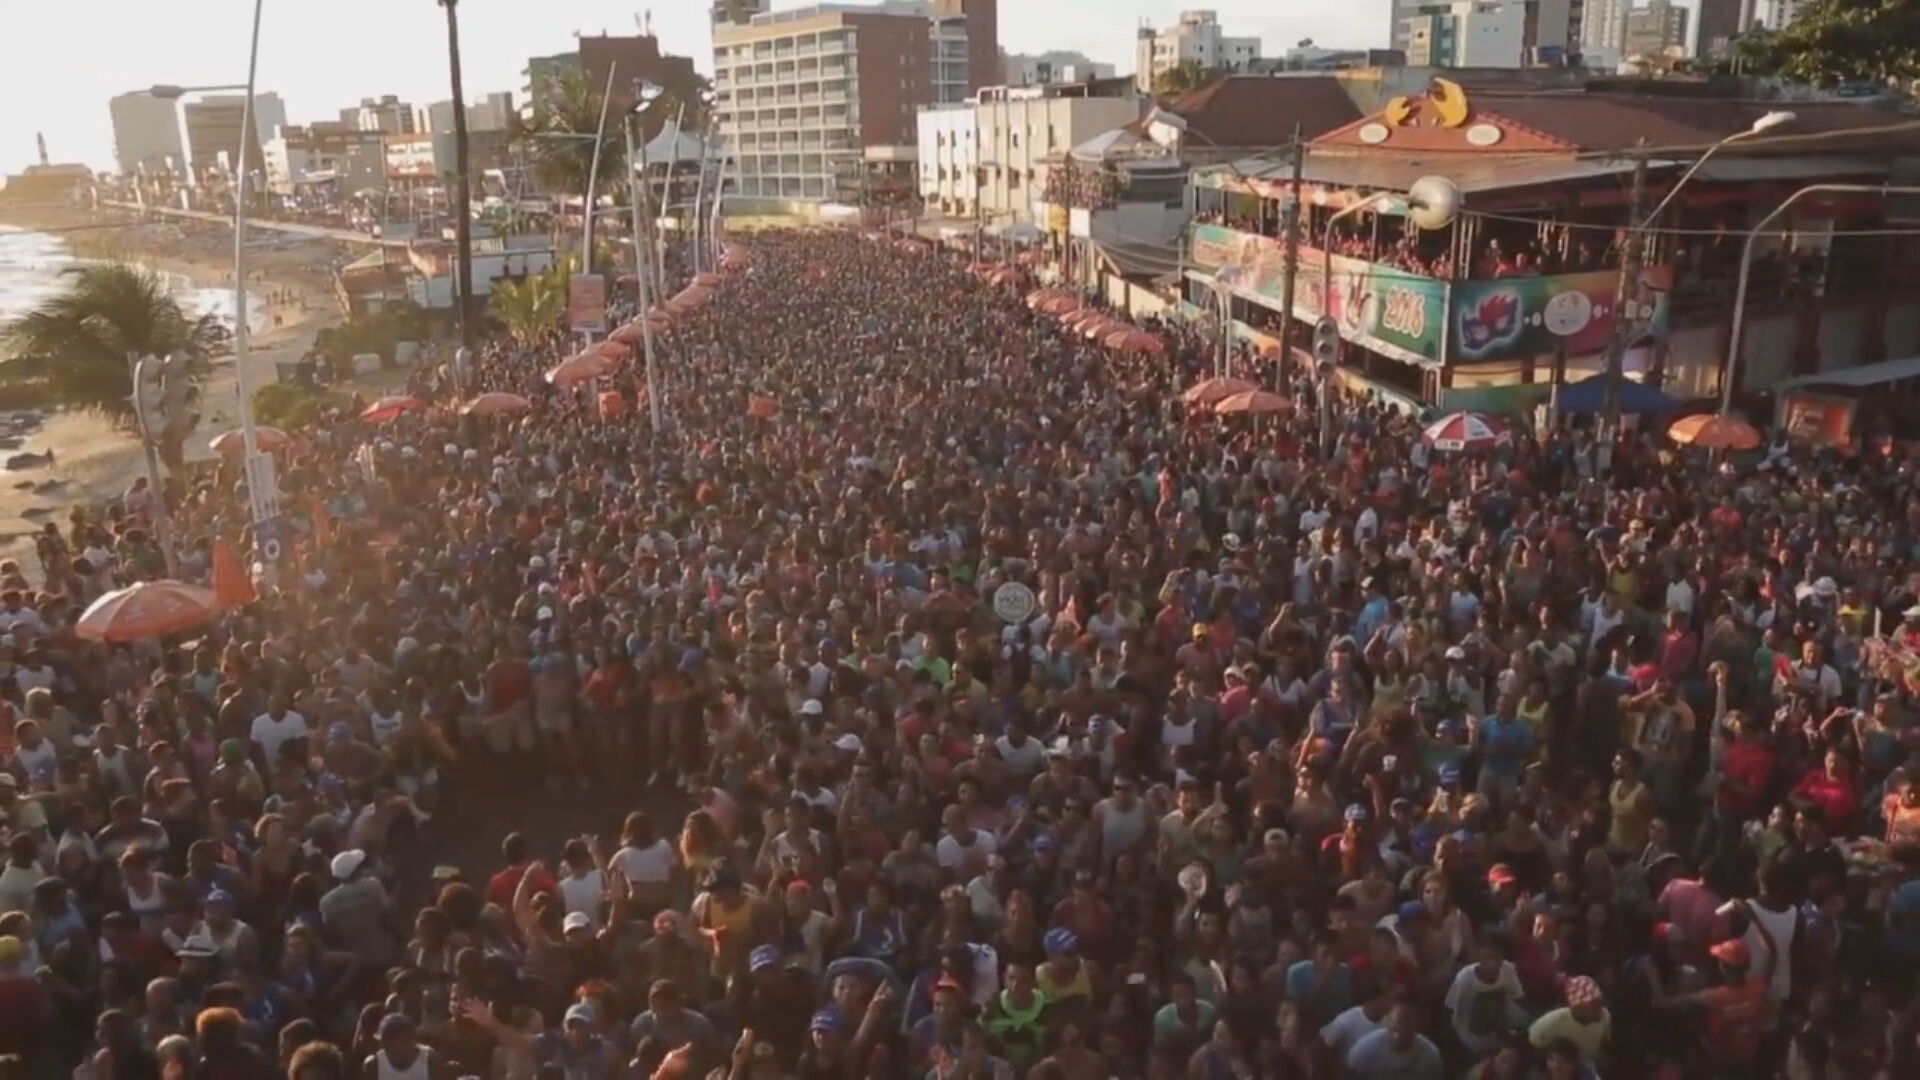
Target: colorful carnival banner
<point>1513,318</point>
<point>1391,312</point>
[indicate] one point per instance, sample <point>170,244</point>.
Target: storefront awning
<point>1885,371</point>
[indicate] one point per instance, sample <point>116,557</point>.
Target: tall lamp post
<point>261,497</point>
<point>1633,253</point>
<point>1731,376</point>
<point>636,184</point>
<point>1432,203</point>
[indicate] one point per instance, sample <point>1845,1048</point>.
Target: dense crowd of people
<point>1573,759</point>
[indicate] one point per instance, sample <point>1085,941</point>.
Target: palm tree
<point>1184,76</point>
<point>462,196</point>
<point>559,140</point>
<point>531,307</point>
<point>78,344</point>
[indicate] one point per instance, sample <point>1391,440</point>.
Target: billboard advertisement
<point>587,303</point>
<point>1394,313</point>
<point>1513,318</point>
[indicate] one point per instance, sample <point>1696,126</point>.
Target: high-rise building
<point>1197,38</point>
<point>631,61</point>
<point>491,113</point>
<point>1603,27</point>
<point>1553,27</point>
<point>386,114</point>
<point>982,38</point>
<point>1781,13</point>
<point>541,81</point>
<point>1051,68</point>
<point>807,94</point>
<point>214,130</point>
<point>269,115</point>
<point>146,133</point>
<point>1469,34</point>
<point>1656,29</point>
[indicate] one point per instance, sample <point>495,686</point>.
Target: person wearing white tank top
<point>1782,921</point>
<point>400,1057</point>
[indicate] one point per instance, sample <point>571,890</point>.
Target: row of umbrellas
<point>995,274</point>
<point>1094,324</point>
<point>603,357</point>
<point>272,440</point>
<point>1460,432</point>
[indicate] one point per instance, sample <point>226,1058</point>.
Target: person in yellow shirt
<point>1631,805</point>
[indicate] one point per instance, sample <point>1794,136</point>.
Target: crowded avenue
<point>941,692</point>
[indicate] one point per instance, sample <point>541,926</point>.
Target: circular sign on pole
<point>1013,602</point>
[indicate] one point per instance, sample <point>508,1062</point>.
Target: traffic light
<point>1326,341</point>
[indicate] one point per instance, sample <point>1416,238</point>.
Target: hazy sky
<point>60,60</point>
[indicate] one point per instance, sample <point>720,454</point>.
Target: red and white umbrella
<point>388,408</point>
<point>149,609</point>
<point>1466,431</point>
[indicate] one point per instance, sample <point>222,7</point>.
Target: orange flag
<point>231,587</point>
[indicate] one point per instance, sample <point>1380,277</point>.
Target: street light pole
<point>259,469</point>
<point>635,177</point>
<point>593,175</point>
<point>1731,376</point>
<point>1632,255</point>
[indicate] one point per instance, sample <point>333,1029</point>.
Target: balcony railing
<point>1421,319</point>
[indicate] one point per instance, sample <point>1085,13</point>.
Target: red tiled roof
<point>1609,121</point>
<point>1249,111</point>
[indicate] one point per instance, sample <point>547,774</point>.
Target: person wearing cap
<point>1583,1021</point>
<point>1739,1011</point>
<point>357,912</point>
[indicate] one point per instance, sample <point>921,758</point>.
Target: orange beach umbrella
<point>387,408</point>
<point>1252,401</point>
<point>1713,431</point>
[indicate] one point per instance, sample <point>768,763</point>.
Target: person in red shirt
<point>1746,775</point>
<point>1832,790</point>
<point>501,886</point>
<point>1739,1012</point>
<point>25,1007</point>
<point>509,702</point>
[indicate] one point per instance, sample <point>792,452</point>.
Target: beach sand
<point>95,461</point>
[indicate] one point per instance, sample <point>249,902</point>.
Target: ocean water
<point>31,266</point>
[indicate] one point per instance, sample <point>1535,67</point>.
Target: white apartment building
<point>1468,34</point>
<point>1781,13</point>
<point>1051,68</point>
<point>146,133</point>
<point>806,94</point>
<point>991,157</point>
<point>1198,37</point>
<point>1603,30</point>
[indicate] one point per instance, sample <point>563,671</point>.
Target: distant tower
<point>40,138</point>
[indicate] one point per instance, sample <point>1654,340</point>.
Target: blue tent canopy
<point>1590,396</point>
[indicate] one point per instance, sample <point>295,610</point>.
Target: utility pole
<point>462,191</point>
<point>1290,270</point>
<point>1623,292</point>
